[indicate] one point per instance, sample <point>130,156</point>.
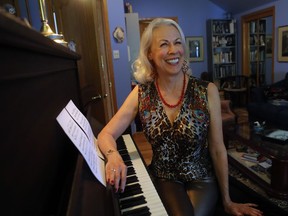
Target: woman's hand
<point>116,171</point>
<point>242,209</point>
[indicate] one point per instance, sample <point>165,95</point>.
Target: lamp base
<point>47,32</point>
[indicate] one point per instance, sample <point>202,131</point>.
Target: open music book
<point>79,131</point>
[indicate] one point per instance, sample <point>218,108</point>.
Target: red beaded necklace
<point>181,96</point>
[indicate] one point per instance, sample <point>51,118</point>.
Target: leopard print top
<point>180,150</point>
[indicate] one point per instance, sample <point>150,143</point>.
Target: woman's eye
<point>178,42</point>
<point>163,44</point>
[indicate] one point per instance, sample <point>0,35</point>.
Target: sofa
<point>270,104</point>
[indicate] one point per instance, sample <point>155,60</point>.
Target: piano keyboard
<point>140,196</point>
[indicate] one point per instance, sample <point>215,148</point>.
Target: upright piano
<point>42,173</point>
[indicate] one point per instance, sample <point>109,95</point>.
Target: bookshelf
<point>259,68</point>
<point>222,48</point>
<point>257,51</point>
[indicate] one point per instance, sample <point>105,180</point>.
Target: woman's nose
<point>172,49</point>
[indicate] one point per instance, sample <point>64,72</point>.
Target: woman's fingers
<point>116,177</point>
<point>123,179</point>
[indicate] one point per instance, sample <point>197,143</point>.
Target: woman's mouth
<point>173,61</point>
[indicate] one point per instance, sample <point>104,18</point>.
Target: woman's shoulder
<point>195,81</point>
<point>146,85</point>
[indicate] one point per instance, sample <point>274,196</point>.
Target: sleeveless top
<point>180,150</point>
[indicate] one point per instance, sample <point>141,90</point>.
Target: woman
<point>181,118</point>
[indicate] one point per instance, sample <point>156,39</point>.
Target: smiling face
<point>167,50</point>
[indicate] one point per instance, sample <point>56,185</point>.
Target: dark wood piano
<point>42,173</point>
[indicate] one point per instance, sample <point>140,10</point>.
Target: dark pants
<point>196,198</point>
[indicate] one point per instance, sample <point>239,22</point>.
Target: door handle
<point>96,97</point>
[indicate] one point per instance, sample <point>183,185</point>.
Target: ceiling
<point>239,6</point>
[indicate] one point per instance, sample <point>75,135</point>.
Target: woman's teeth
<point>173,61</point>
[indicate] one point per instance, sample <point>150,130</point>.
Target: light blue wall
<point>34,13</point>
<point>281,19</point>
<point>121,67</point>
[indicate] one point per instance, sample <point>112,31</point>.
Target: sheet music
<point>79,131</point>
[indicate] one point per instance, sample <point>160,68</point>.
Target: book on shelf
<point>265,164</point>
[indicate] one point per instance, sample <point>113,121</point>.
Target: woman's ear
<point>150,56</point>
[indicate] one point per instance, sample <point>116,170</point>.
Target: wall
<point>34,11</point>
<point>122,77</point>
<point>281,19</point>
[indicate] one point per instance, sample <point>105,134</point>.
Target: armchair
<point>228,116</point>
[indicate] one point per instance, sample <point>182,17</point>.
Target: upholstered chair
<point>228,116</point>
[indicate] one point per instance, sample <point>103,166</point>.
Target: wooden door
<point>86,23</point>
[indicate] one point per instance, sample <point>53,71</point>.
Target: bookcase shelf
<point>222,48</point>
<point>257,51</point>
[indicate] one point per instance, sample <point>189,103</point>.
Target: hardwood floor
<point>143,146</point>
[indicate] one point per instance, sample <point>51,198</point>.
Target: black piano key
<point>136,212</point>
<point>131,190</point>
<point>123,152</point>
<point>131,193</point>
<point>126,157</point>
<point>131,179</point>
<point>132,187</point>
<point>130,171</point>
<point>128,163</point>
<point>134,201</point>
<point>120,143</point>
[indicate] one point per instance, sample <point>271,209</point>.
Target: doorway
<point>258,46</point>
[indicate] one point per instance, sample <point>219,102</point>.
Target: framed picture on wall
<point>195,48</point>
<point>283,43</point>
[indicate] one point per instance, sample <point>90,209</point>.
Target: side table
<point>237,95</point>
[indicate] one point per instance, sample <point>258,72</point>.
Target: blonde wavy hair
<point>143,69</point>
